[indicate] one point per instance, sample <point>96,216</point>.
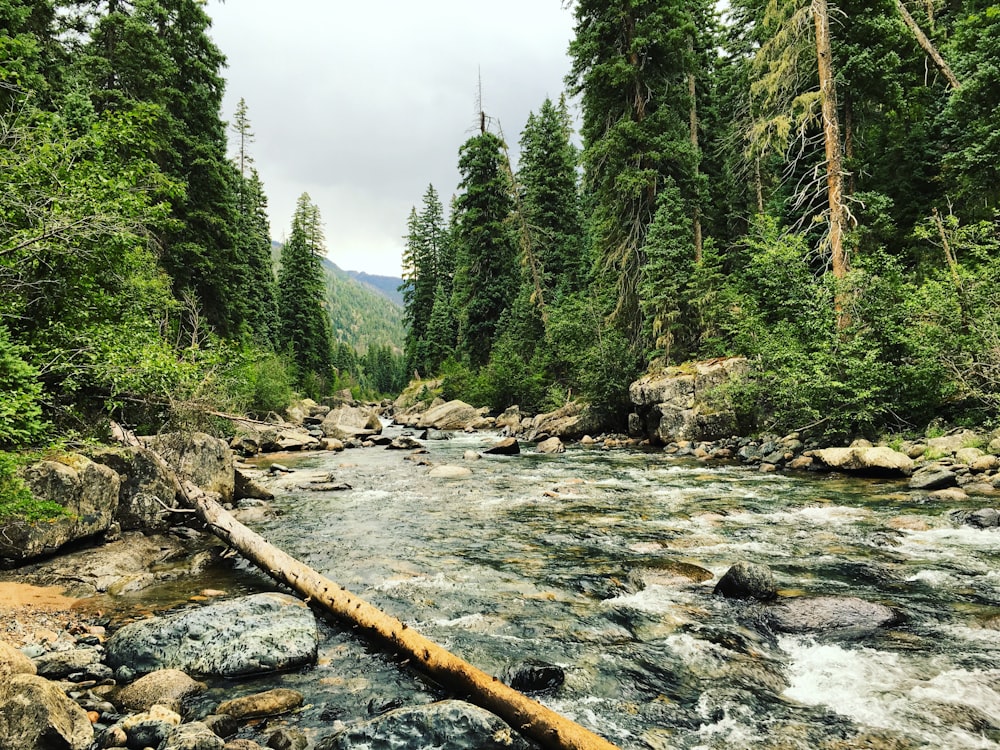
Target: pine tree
<point>425,251</point>
<point>486,253</point>
<point>305,323</point>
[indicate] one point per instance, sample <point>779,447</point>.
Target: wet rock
<point>242,745</point>
<point>950,495</point>
<point>148,486</point>
<point>193,736</point>
<point>13,661</point>
<point>670,573</point>
<point>35,714</point>
<point>567,422</point>
<point>505,447</point>
<point>199,458</point>
<point>747,581</point>
<point>933,478</point>
<point>969,718</point>
<point>165,687</point>
<point>472,455</point>
<point>223,726</point>
<point>88,492</point>
<point>270,703</point>
<point>254,634</point>
<point>552,445</point>
<point>864,460</point>
<point>447,471</point>
<point>247,488</point>
<point>447,725</point>
<point>346,422</point>
<point>533,676</point>
<point>57,665</point>
<point>825,613</point>
<point>984,518</point>
<point>287,739</point>
<point>404,443</point>
<point>452,415</point>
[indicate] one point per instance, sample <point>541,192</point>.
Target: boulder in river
<point>824,613</point>
<point>148,486</point>
<point>505,447</point>
<point>451,415</point>
<point>448,471</point>
<point>164,687</point>
<point>269,703</point>
<point>933,477</point>
<point>199,458</point>
<point>533,676</point>
<point>552,445</point>
<point>88,492</point>
<point>235,638</point>
<point>35,714</point>
<point>193,736</point>
<point>870,461</point>
<point>446,725</point>
<point>349,421</point>
<point>573,420</point>
<point>747,581</point>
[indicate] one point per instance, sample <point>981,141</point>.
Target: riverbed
<point>598,561</point>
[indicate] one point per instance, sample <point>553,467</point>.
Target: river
<point>544,557</point>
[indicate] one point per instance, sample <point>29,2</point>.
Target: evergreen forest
<point>811,186</point>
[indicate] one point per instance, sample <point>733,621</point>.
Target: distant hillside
<point>388,285</point>
<point>361,313</point>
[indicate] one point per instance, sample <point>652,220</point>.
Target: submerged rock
<point>533,676</point>
<point>505,447</point>
<point>254,634</point>
<point>823,613</point>
<point>447,471</point>
<point>446,725</point>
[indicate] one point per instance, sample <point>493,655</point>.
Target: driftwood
<point>525,715</point>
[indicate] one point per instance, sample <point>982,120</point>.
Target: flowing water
<point>545,557</point>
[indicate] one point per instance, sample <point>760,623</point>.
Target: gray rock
<point>165,687</point>
<point>193,736</point>
<point>404,443</point>
<point>984,518</point>
<point>148,485</point>
<point>568,422</point>
<point>447,725</point>
<point>88,492</point>
<point>251,635</point>
<point>533,676</point>
<point>35,714</point>
<point>223,726</point>
<point>57,665</point>
<point>199,458</point>
<point>934,478</point>
<point>505,447</point>
<point>287,739</point>
<point>824,613</point>
<point>747,581</point>
<point>247,488</point>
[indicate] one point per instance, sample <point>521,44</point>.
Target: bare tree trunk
<point>928,46</point>
<point>525,715</point>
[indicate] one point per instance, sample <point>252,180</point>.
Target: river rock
<point>451,415</point>
<point>35,714</point>
<point>985,463</point>
<point>348,421</point>
<point>949,445</point>
<point>568,422</point>
<point>250,635</point>
<point>88,492</point>
<point>404,443</point>
<point>984,518</point>
<point>246,487</point>
<point>148,486</point>
<point>878,461</point>
<point>505,447</point>
<point>13,661</point>
<point>287,739</point>
<point>269,703</point>
<point>552,445</point>
<point>57,665</point>
<point>193,736</point>
<point>823,613</point>
<point>448,471</point>
<point>165,687</point>
<point>446,725</point>
<point>934,477</point>
<point>533,676</point>
<point>747,581</point>
<point>199,458</point>
<point>471,455</point>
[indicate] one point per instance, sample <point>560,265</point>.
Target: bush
<point>21,420</point>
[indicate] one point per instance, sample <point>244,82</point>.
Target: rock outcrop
<point>348,421</point>
<point>148,487</point>
<point>678,403</point>
<point>199,458</point>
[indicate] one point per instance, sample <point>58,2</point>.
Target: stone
<point>446,725</point>
<point>88,492</point>
<point>13,661</point>
<point>35,714</point>
<point>147,486</point>
<point>57,665</point>
<point>505,447</point>
<point>968,456</point>
<point>551,446</point>
<point>983,518</point>
<point>949,445</point>
<point>193,736</point>
<point>332,444</point>
<point>950,495</point>
<point>235,638</point>
<point>510,420</point>
<point>165,687</point>
<point>824,613</point>
<point>199,458</point>
<point>533,676</point>
<point>747,581</point>
<point>246,487</point>
<point>269,703</point>
<point>447,471</point>
<point>800,463</point>
<point>985,463</point>
<point>287,739</point>
<point>471,455</point>
<point>933,478</point>
<point>568,422</point>
<point>223,726</point>
<point>242,744</point>
<point>348,421</point>
<point>452,415</point>
<point>404,443</point>
<point>880,461</point>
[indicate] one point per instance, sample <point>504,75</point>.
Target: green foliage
<point>21,420</point>
<point>16,499</point>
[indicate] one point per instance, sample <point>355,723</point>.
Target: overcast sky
<point>363,104</point>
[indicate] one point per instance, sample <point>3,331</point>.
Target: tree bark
<point>928,46</point>
<point>523,714</point>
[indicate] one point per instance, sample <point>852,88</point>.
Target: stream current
<point>588,559</point>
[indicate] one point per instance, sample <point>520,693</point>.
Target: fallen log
<point>524,714</point>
